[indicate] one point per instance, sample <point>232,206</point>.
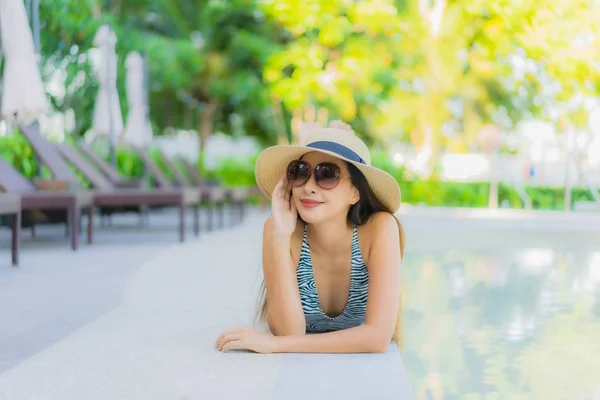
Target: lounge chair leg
<point>142,215</point>
<point>16,238</point>
<point>221,214</point>
<point>74,220</point>
<point>235,213</point>
<point>90,226</point>
<point>196,219</point>
<point>210,209</point>
<point>182,222</point>
<point>231,213</point>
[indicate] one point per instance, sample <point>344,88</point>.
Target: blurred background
<point>449,94</point>
<point>470,104</point>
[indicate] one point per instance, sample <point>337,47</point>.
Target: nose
<point>311,185</point>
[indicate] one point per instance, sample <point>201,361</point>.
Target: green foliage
<point>395,71</point>
<point>234,172</point>
<point>129,164</point>
<point>159,159</point>
<point>198,53</point>
<point>67,30</point>
<point>16,151</point>
<point>435,192</point>
<point>381,65</point>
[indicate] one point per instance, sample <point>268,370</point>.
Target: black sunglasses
<point>327,174</point>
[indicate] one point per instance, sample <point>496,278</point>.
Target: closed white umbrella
<point>23,95</point>
<point>138,130</point>
<point>107,119</point>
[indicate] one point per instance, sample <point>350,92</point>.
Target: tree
<point>222,49</point>
<point>205,59</point>
<point>67,33</point>
<point>432,71</point>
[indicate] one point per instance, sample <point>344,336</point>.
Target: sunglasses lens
<point>327,175</point>
<point>298,172</point>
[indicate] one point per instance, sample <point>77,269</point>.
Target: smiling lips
<point>306,203</point>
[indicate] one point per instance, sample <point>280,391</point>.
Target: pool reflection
<point>517,323</point>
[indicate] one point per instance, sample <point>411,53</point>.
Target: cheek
<point>345,195</point>
<point>337,199</point>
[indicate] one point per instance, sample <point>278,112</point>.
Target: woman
<point>332,250</point>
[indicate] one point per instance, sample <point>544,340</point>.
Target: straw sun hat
<point>272,162</point>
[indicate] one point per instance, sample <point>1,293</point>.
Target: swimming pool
<point>501,311</point>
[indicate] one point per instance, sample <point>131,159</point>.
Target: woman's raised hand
<point>340,125</point>
<point>284,212</point>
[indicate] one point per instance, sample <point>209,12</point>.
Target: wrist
<point>278,344</point>
<point>281,238</point>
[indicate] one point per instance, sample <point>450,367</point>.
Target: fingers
<point>340,125</point>
<point>219,340</point>
<point>309,125</point>
<point>306,128</point>
<point>234,345</point>
<point>228,338</point>
<point>292,204</point>
<point>282,190</point>
<point>228,332</point>
<point>231,334</point>
<point>277,190</point>
<point>288,192</point>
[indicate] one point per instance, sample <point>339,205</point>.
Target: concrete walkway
<point>151,335</point>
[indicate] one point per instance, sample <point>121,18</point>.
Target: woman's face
<point>316,204</point>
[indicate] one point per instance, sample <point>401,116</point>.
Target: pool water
<point>502,314</point>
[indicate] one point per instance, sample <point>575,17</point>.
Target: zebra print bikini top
<point>354,312</point>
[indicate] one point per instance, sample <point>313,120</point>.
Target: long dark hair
<point>358,214</point>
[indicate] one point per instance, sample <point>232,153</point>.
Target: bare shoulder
<point>380,230</point>
<point>381,224</point>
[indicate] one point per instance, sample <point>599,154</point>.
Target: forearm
<point>361,339</point>
<point>284,308</point>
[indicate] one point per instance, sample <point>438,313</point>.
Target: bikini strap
<point>305,252</point>
<point>354,237</point>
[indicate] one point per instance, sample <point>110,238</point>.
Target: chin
<point>316,215</point>
<point>312,216</point>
